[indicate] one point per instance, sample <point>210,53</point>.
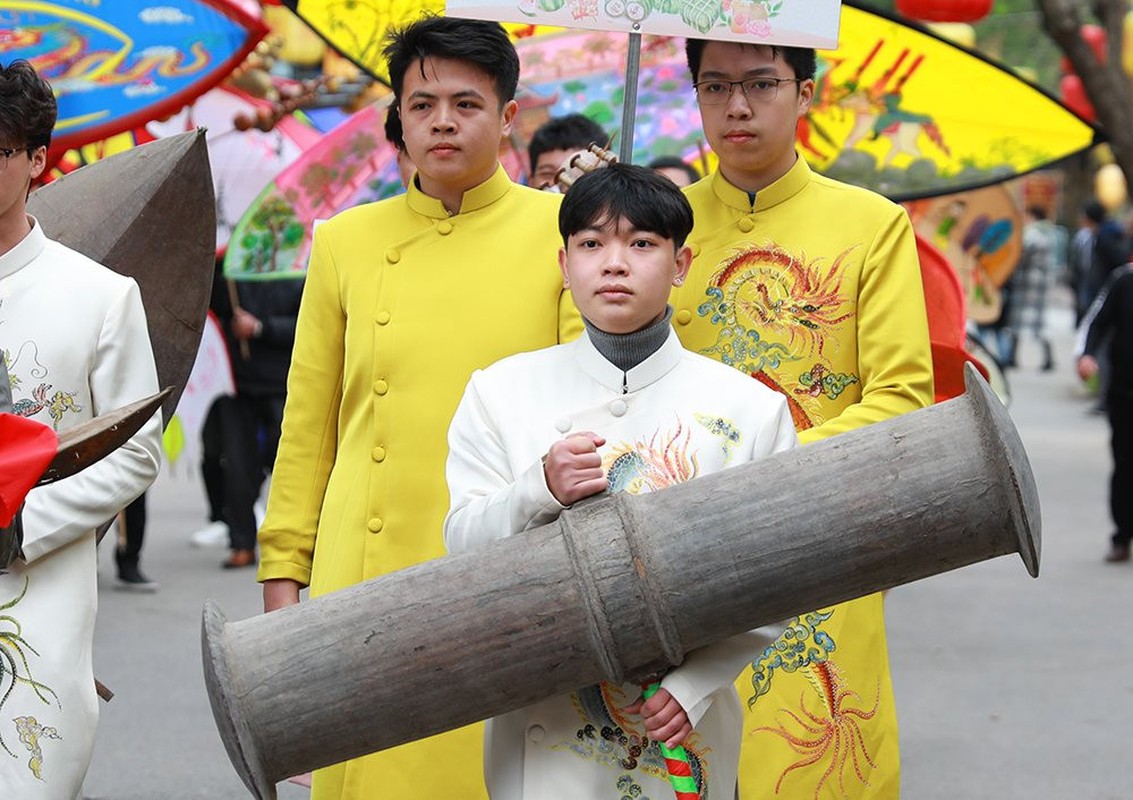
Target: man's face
<point>620,277</point>
<point>16,174</point>
<point>754,138</point>
<point>549,162</point>
<point>452,124</point>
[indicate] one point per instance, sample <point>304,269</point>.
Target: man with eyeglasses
<point>812,287</point>
<point>73,336</point>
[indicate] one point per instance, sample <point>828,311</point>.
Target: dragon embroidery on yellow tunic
<point>775,314</point>
<point>774,309</point>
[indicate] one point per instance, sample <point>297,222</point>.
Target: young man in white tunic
<point>73,336</point>
<point>624,408</point>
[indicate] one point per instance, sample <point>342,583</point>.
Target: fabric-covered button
<point>383,317</point>
<point>683,317</point>
<point>375,525</point>
<point>444,227</point>
<point>393,255</point>
<point>536,733</point>
<point>562,424</point>
<point>746,225</point>
<point>618,408</point>
<point>378,453</point>
<point>380,387</point>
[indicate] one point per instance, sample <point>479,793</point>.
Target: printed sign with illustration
<point>799,23</point>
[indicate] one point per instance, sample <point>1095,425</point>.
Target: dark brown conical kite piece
<point>93,440</point>
<point>149,213</point>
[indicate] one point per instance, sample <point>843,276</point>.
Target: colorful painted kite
<point>115,66</point>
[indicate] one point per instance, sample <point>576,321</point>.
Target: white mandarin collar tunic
<point>673,417</point>
<point>73,334</point>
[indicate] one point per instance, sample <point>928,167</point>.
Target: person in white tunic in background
<point>624,408</point>
<point>73,336</point>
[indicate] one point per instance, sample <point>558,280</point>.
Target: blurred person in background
<point>1109,250</point>
<point>1114,321</point>
<point>128,549</point>
<point>675,169</point>
<point>1028,288</point>
<point>241,432</point>
<point>555,141</point>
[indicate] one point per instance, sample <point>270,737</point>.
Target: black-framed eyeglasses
<point>763,89</point>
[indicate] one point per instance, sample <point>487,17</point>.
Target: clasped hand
<point>664,718</point>
<point>573,468</point>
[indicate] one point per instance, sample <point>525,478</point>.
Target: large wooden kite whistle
<point>619,589</point>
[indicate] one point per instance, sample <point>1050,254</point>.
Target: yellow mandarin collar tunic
<point>401,303</point>
<point>475,199</point>
<point>783,189</point>
<point>814,290</point>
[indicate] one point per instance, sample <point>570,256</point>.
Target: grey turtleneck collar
<point>626,350</point>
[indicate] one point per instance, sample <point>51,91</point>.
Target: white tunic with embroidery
<point>675,416</point>
<point>73,334</point>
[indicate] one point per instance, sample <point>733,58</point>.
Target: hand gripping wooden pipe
<point>619,589</point>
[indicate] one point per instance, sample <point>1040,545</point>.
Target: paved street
<point>1007,687</point>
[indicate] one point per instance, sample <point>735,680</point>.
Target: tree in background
<point>1104,79</point>
<point>1032,36</point>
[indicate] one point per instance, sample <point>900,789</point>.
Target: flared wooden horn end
<point>1008,451</point>
<point>242,751</point>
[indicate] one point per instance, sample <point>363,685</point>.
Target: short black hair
<point>570,132</point>
<point>483,44</point>
<point>27,106</point>
<point>648,200</point>
<point>675,162</point>
<point>1095,212</point>
<point>394,133</point>
<point>801,59</point>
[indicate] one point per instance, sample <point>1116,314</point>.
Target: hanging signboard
<point>795,23</point>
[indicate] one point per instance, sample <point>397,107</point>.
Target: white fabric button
<point>535,733</point>
<point>562,425</point>
<point>618,408</point>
